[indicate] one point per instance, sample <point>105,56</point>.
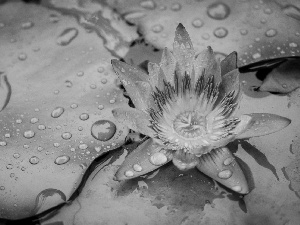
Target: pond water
<point>61,143</point>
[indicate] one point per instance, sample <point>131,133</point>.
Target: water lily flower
<point>186,105</point>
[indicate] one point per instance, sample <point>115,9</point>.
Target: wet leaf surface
<point>272,31</point>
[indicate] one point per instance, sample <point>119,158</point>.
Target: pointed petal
<point>153,70</point>
<point>128,76</point>
<point>207,61</point>
<point>136,120</point>
<point>168,64</point>
<point>221,166</point>
<point>229,63</point>
<point>230,82</point>
<point>263,124</point>
<point>184,160</point>
<point>183,50</point>
<point>145,158</point>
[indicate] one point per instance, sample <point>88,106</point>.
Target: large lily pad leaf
<point>256,29</point>
<point>58,118</point>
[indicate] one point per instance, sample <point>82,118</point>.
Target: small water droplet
<point>2,188</point>
<point>256,55</point>
<point>100,69</point>
<point>271,33</point>
<point>40,148</point>
<point>68,83</point>
<point>112,101</point>
<point>34,160</point>
<point>41,127</point>
<point>205,36</point>
<point>83,146</point>
<point>129,173</point>
<point>103,130</point>
<point>9,166</point>
<point>2,25</point>
<point>268,11</point>
<point>16,155</point>
<point>137,167</point>
<point>237,188</point>
<point>228,161</point>
<point>197,23</point>
<point>157,28</point>
<point>97,148</point>
<point>56,144</point>
<point>26,146</point>
<point>53,18</point>
<point>175,7</point>
<point>103,80</point>
<point>220,32</point>
<point>29,134</point>
<point>60,160</point>
<point>27,25</point>
<point>293,45</point>
<point>19,121</point>
<point>80,73</point>
<point>34,120</point>
<point>100,107</point>
<point>74,106</point>
<point>57,112</point>
<point>218,11</point>
<point>67,36</point>
<point>7,135</point>
<point>148,4</point>
<point>22,56</point>
<point>93,86</point>
<point>56,92</point>
<point>84,116</point>
<point>284,86</point>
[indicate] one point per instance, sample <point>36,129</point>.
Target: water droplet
<point>7,135</point>
<point>84,116</point>
<point>137,168</point>
<point>100,107</point>
<point>27,25</point>
<point>2,188</point>
<point>228,161</point>
<point>197,23</point>
<point>103,80</point>
<point>39,148</point>
<point>2,25</point>
<point>80,128</point>
<point>53,18</point>
<point>34,160</point>
<point>56,92</point>
<point>284,86</point>
<point>98,149</point>
<point>112,101</point>
<point>26,146</point>
<point>237,188</point>
<point>60,160</point>
<point>67,36</point>
<point>148,4</point>
<point>34,120</point>
<point>256,55</point>
<point>293,45</point>
<point>16,155</point>
<point>80,73</point>
<point>56,145</point>
<point>83,146</point>
<point>74,106</point>
<point>158,159</point>
<point>93,86</point>
<point>103,130</point>
<point>220,32</point>
<point>271,33</point>
<point>100,69</point>
<point>218,11</point>
<point>19,121</point>
<point>263,21</point>
<point>9,166</point>
<point>57,112</point>
<point>29,134</point>
<point>41,127</point>
<point>205,36</point>
<point>129,173</point>
<point>268,11</point>
<point>157,28</point>
<point>175,7</point>
<point>22,56</point>
<point>12,175</point>
<point>68,83</point>
<point>225,174</point>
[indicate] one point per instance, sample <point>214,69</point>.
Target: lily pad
<point>57,95</point>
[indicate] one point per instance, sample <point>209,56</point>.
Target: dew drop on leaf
<point>62,159</point>
<point>103,130</point>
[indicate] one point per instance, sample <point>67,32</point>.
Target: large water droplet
<point>62,159</point>
<point>158,159</point>
<point>67,36</point>
<point>225,174</point>
<point>34,160</point>
<point>57,112</point>
<point>29,134</point>
<point>218,11</point>
<point>103,130</point>
<point>220,32</point>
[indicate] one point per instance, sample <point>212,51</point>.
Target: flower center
<point>190,124</point>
